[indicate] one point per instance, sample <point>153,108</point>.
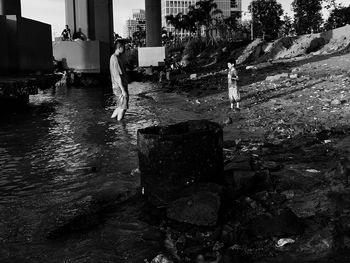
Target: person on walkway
<point>233,91</point>
<point>66,34</point>
<point>79,35</point>
<point>119,81</point>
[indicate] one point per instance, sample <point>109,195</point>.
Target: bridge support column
<point>153,23</point>
<point>10,7</point>
<point>93,17</point>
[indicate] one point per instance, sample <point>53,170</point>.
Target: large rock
<point>242,163</point>
<point>243,181</point>
<point>240,177</point>
<point>251,52</point>
<point>284,223</point>
<point>200,208</point>
<point>314,203</point>
<point>277,77</point>
<point>335,102</point>
<point>82,214</point>
<point>316,246</point>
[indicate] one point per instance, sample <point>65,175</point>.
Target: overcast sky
<point>53,11</point>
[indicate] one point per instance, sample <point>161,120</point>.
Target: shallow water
<point>65,142</point>
<point>62,147</point>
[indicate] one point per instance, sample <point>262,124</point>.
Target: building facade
<point>229,6</point>
<point>173,7</point>
<point>136,23</point>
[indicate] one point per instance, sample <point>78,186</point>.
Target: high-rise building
<point>136,23</point>
<point>173,7</point>
<point>229,6</point>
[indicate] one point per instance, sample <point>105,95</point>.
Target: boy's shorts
<point>234,94</point>
<point>122,101</point>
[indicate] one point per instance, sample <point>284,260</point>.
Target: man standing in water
<point>119,81</point>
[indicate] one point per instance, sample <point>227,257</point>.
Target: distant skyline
<point>53,11</point>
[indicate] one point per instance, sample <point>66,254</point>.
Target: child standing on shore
<point>233,92</point>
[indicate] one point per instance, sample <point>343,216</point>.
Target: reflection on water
<point>63,147</point>
<point>65,141</point>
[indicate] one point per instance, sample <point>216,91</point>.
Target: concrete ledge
<point>151,56</point>
<point>82,56</point>
<point>21,86</point>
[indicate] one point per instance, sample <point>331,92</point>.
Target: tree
<point>307,16</point>
<point>227,26</point>
<point>266,17</point>
<point>139,36</point>
<point>174,21</point>
<point>287,27</point>
<point>339,16</point>
<point>197,17</point>
<point>208,9</point>
<point>331,4</point>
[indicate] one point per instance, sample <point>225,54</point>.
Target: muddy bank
<point>287,163</point>
<point>286,194</point>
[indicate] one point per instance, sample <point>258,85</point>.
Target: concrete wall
<point>341,32</point>
<point>34,45</point>
<point>151,56</point>
<point>4,55</point>
<point>10,7</point>
<point>83,56</point>
<point>25,45</point>
<point>11,32</point>
<point>337,33</point>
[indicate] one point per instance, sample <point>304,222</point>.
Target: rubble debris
<point>199,209</point>
<point>284,241</point>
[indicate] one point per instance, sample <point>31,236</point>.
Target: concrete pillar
<point>153,23</point>
<point>101,20</point>
<point>82,16</point>
<point>94,17</point>
<point>70,14</point>
<point>10,7</point>
<point>77,15</point>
